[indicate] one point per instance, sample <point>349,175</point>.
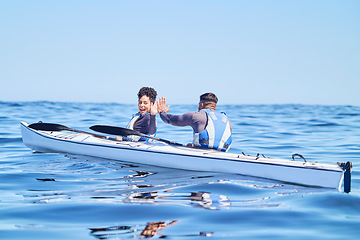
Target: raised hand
<point>161,105</point>
<point>154,108</point>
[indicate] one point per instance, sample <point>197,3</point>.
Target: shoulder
<point>145,116</point>
<point>200,115</point>
<point>194,114</point>
<point>202,112</point>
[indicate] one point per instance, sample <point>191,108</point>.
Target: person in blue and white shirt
<point>212,129</point>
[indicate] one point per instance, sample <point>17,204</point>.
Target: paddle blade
<point>119,131</point>
<point>48,126</point>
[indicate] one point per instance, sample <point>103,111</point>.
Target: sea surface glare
<point>57,196</point>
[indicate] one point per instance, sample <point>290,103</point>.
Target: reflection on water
<point>149,230</point>
<point>117,182</point>
<point>205,200</point>
<point>111,232</point>
<point>152,228</point>
<point>209,201</point>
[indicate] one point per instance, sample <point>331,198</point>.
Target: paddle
<point>119,131</point>
<point>58,127</point>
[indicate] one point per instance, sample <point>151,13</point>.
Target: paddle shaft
<point>58,127</point>
<point>126,132</point>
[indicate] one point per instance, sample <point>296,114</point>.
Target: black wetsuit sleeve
<point>152,125</point>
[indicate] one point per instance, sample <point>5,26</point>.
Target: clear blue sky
<point>246,52</point>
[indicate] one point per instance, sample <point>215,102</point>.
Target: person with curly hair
<point>145,120</point>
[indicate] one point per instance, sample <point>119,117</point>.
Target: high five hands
<point>159,106</point>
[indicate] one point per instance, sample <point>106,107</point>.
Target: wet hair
<point>208,97</point>
<point>148,91</point>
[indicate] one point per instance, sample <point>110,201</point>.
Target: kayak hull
<point>164,155</point>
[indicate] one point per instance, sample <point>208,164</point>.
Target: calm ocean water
<point>52,196</point>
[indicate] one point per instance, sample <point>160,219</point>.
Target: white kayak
<point>180,157</point>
